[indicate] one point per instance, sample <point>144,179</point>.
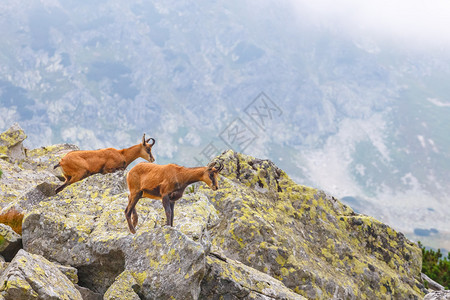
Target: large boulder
<point>308,240</point>
<point>166,263</point>
<point>31,276</point>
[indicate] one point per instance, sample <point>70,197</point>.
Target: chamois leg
<point>61,187</point>
<point>132,201</point>
<point>172,208</point>
<point>71,179</point>
<point>134,217</point>
<point>167,208</point>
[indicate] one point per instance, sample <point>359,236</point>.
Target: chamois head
<point>210,175</point>
<point>146,149</point>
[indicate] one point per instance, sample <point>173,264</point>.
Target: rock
<point>10,242</point>
<point>310,241</point>
<point>27,182</point>
<point>46,158</point>
<point>438,295</point>
<point>166,264</point>
<point>271,238</point>
<point>3,264</point>
<point>27,172</point>
<point>229,279</point>
<point>70,272</point>
<point>11,143</point>
<point>87,294</point>
<point>124,287</point>
<point>84,226</point>
<point>30,276</point>
<point>13,213</point>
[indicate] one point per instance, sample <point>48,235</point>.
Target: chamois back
<point>79,164</point>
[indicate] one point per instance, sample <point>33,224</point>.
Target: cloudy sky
<point>411,23</point>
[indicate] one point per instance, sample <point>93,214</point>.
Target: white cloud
<point>414,22</point>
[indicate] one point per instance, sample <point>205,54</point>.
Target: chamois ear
<point>151,139</point>
<point>143,140</point>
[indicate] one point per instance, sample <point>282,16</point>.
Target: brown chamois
<point>79,164</point>
<point>166,182</point>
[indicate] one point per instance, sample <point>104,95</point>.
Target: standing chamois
<point>166,182</point>
<point>79,164</point>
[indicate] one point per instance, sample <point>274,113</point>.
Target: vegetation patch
<point>435,266</point>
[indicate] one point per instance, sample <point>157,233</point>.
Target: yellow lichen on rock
<point>306,234</point>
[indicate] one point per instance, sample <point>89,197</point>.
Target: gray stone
<point>31,276</point>
<point>166,263</point>
<point>10,242</point>
<point>124,287</point>
<point>11,143</point>
<point>87,294</point>
<point>229,279</point>
<point>438,295</point>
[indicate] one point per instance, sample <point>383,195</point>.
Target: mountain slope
<point>351,115</point>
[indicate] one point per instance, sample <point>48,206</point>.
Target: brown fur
<point>166,182</point>
<point>13,219</point>
<point>77,165</point>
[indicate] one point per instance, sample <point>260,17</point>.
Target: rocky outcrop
<point>31,276</point>
<point>260,236</point>
<point>28,169</point>
<point>28,178</point>
<point>308,240</point>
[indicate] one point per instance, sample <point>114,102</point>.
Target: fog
<point>424,25</point>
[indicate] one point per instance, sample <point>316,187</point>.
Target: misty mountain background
<point>362,118</point>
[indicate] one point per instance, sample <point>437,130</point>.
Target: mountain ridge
<point>259,235</point>
<point>356,116</point>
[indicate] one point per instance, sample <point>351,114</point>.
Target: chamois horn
<point>146,141</point>
<point>214,165</point>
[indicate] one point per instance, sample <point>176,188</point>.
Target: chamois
<point>166,182</point>
<point>79,164</point>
